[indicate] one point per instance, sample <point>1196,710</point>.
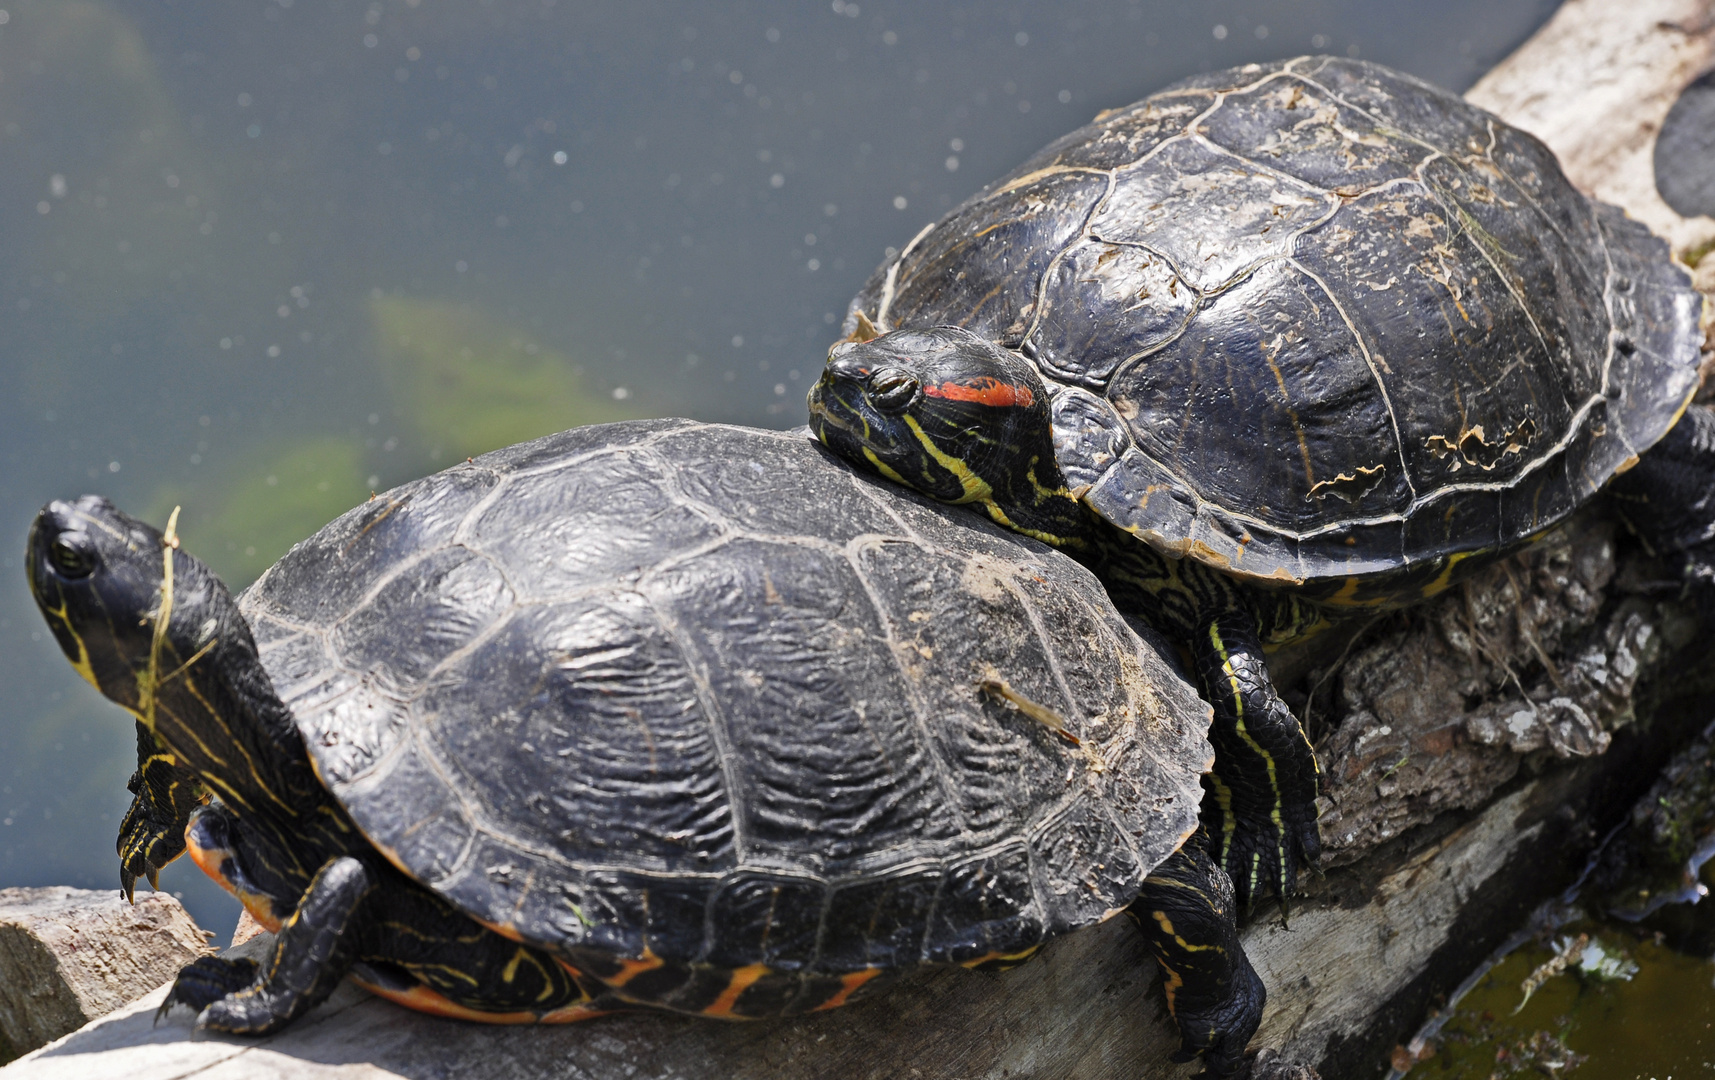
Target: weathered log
<point>68,956</point>
<point>1475,749</point>
<point>1595,84</point>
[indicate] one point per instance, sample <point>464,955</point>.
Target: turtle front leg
<point>313,953</point>
<point>1264,786</point>
<point>152,833</point>
<point>1185,910</point>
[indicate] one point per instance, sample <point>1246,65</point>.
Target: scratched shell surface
<point>706,694</point>
<point>1316,319</point>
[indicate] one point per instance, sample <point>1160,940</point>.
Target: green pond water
<point>1656,1025</point>
<point>260,259</point>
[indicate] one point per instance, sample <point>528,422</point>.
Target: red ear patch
<point>987,390</point>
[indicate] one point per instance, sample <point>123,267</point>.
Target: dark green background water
<point>260,257</point>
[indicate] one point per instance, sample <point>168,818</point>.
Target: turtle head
<point>950,414</point>
<point>153,629</point>
<point>99,577</point>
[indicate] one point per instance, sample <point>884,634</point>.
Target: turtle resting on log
<point>1276,345</point>
<point>653,715</point>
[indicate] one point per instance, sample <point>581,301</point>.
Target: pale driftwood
<point>1595,84</point>
<point>1444,830</point>
<point>68,956</point>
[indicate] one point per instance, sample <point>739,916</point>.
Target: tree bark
<point>1477,748</point>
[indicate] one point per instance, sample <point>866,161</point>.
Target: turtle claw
<point>1185,910</point>
<point>1264,859</point>
<point>206,980</point>
<point>146,844</point>
<point>152,833</point>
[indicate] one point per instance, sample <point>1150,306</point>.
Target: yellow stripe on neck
<point>149,681</point>
<point>975,487</point>
<point>884,468</point>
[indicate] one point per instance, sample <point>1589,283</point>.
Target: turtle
<point>1275,346</point>
<point>651,715</point>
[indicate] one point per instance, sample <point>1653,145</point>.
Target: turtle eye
<point>71,556</point>
<point>892,390</point>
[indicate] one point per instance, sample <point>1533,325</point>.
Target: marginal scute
<point>987,907</point>
<point>696,708</point>
<point>878,922</point>
<point>768,920</point>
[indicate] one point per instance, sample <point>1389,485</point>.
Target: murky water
<point>1648,1014</point>
<point>259,259</point>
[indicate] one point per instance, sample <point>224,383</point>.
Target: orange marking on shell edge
<point>208,860</point>
<point>987,390</point>
<point>848,986</point>
<point>424,1000</point>
<point>740,981</point>
<point>630,969</point>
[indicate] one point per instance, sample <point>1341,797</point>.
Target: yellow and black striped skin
<point>152,833</point>
<point>405,943</point>
<point>1185,912</point>
<point>994,451</point>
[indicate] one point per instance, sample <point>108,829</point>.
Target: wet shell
<point>683,694</point>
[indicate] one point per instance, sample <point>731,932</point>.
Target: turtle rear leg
<point>1264,786</point>
<point>1668,499</point>
<point>312,954</point>
<point>1185,910</point>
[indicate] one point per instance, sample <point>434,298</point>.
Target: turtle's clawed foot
<point>146,845</point>
<point>206,980</point>
<point>1261,804</point>
<point>153,831</point>
<point>1219,1034</point>
<point>1263,851</point>
<point>1185,910</point>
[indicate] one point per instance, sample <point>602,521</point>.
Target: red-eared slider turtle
<point>1318,336</point>
<point>657,714</point>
